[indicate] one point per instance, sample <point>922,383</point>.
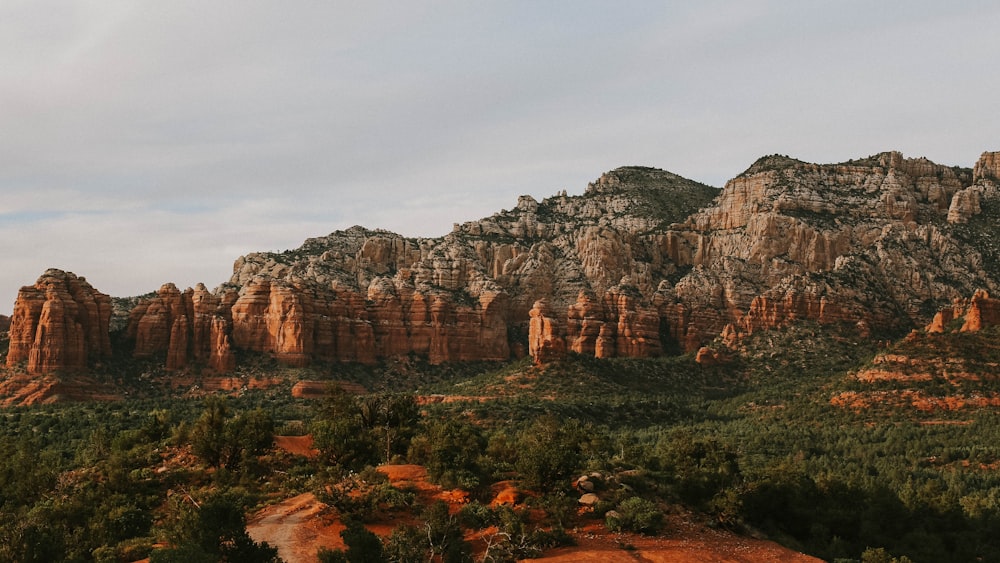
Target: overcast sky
<point>146,142</point>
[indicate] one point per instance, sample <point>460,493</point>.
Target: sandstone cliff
<point>642,263</point>
<point>189,326</point>
<point>462,296</point>
<point>60,324</point>
<point>867,242</point>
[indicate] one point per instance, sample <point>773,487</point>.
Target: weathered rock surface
<point>189,326</point>
<point>969,315</point>
<point>861,243</point>
<point>462,296</point>
<point>60,324</point>
<point>545,340</point>
<point>642,263</point>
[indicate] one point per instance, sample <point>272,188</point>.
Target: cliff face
<point>867,242</point>
<point>60,324</point>
<point>189,326</point>
<point>642,263</point>
<point>461,296</point>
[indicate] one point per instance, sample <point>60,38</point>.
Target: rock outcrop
<point>968,315</point>
<point>987,167</point>
<point>545,340</point>
<point>60,324</point>
<point>462,296</point>
<point>859,243</point>
<point>189,326</point>
<point>644,262</point>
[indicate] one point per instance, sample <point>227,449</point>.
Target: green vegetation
<point>753,446</point>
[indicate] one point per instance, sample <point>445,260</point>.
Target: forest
<point>753,445</point>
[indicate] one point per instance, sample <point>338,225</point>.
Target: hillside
<point>644,263</point>
<point>806,356</point>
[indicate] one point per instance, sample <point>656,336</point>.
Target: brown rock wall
<point>983,312</point>
<point>545,341</point>
<point>987,167</point>
<point>618,326</point>
<point>180,325</point>
<point>59,324</point>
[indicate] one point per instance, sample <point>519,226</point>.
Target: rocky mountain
<point>643,263</point>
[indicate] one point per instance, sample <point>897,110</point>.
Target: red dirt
<point>297,445</point>
<point>23,389</point>
<point>298,528</point>
<point>415,477</point>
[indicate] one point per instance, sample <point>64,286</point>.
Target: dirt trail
<point>296,528</point>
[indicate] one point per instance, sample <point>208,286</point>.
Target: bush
<point>451,451</point>
<point>635,514</point>
<point>477,516</point>
<point>405,544</point>
<point>548,452</point>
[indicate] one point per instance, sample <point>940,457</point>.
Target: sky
<point>148,142</point>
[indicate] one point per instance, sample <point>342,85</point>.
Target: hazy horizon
<point>148,143</point>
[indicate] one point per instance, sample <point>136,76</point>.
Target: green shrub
<point>635,514</point>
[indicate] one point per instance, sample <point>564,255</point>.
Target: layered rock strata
<point>864,243</point>
<point>642,263</point>
<point>189,326</point>
<point>60,324</point>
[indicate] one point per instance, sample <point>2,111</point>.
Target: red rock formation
<point>184,326</point>
<point>637,328</point>
<point>707,356</point>
<point>274,318</point>
<point>619,326</point>
<point>585,325</point>
<point>59,324</point>
<point>545,344</point>
<point>977,313</point>
<point>177,351</point>
<point>4,323</point>
<point>296,323</point>
<point>983,312</point>
<point>221,358</point>
<point>768,313</point>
